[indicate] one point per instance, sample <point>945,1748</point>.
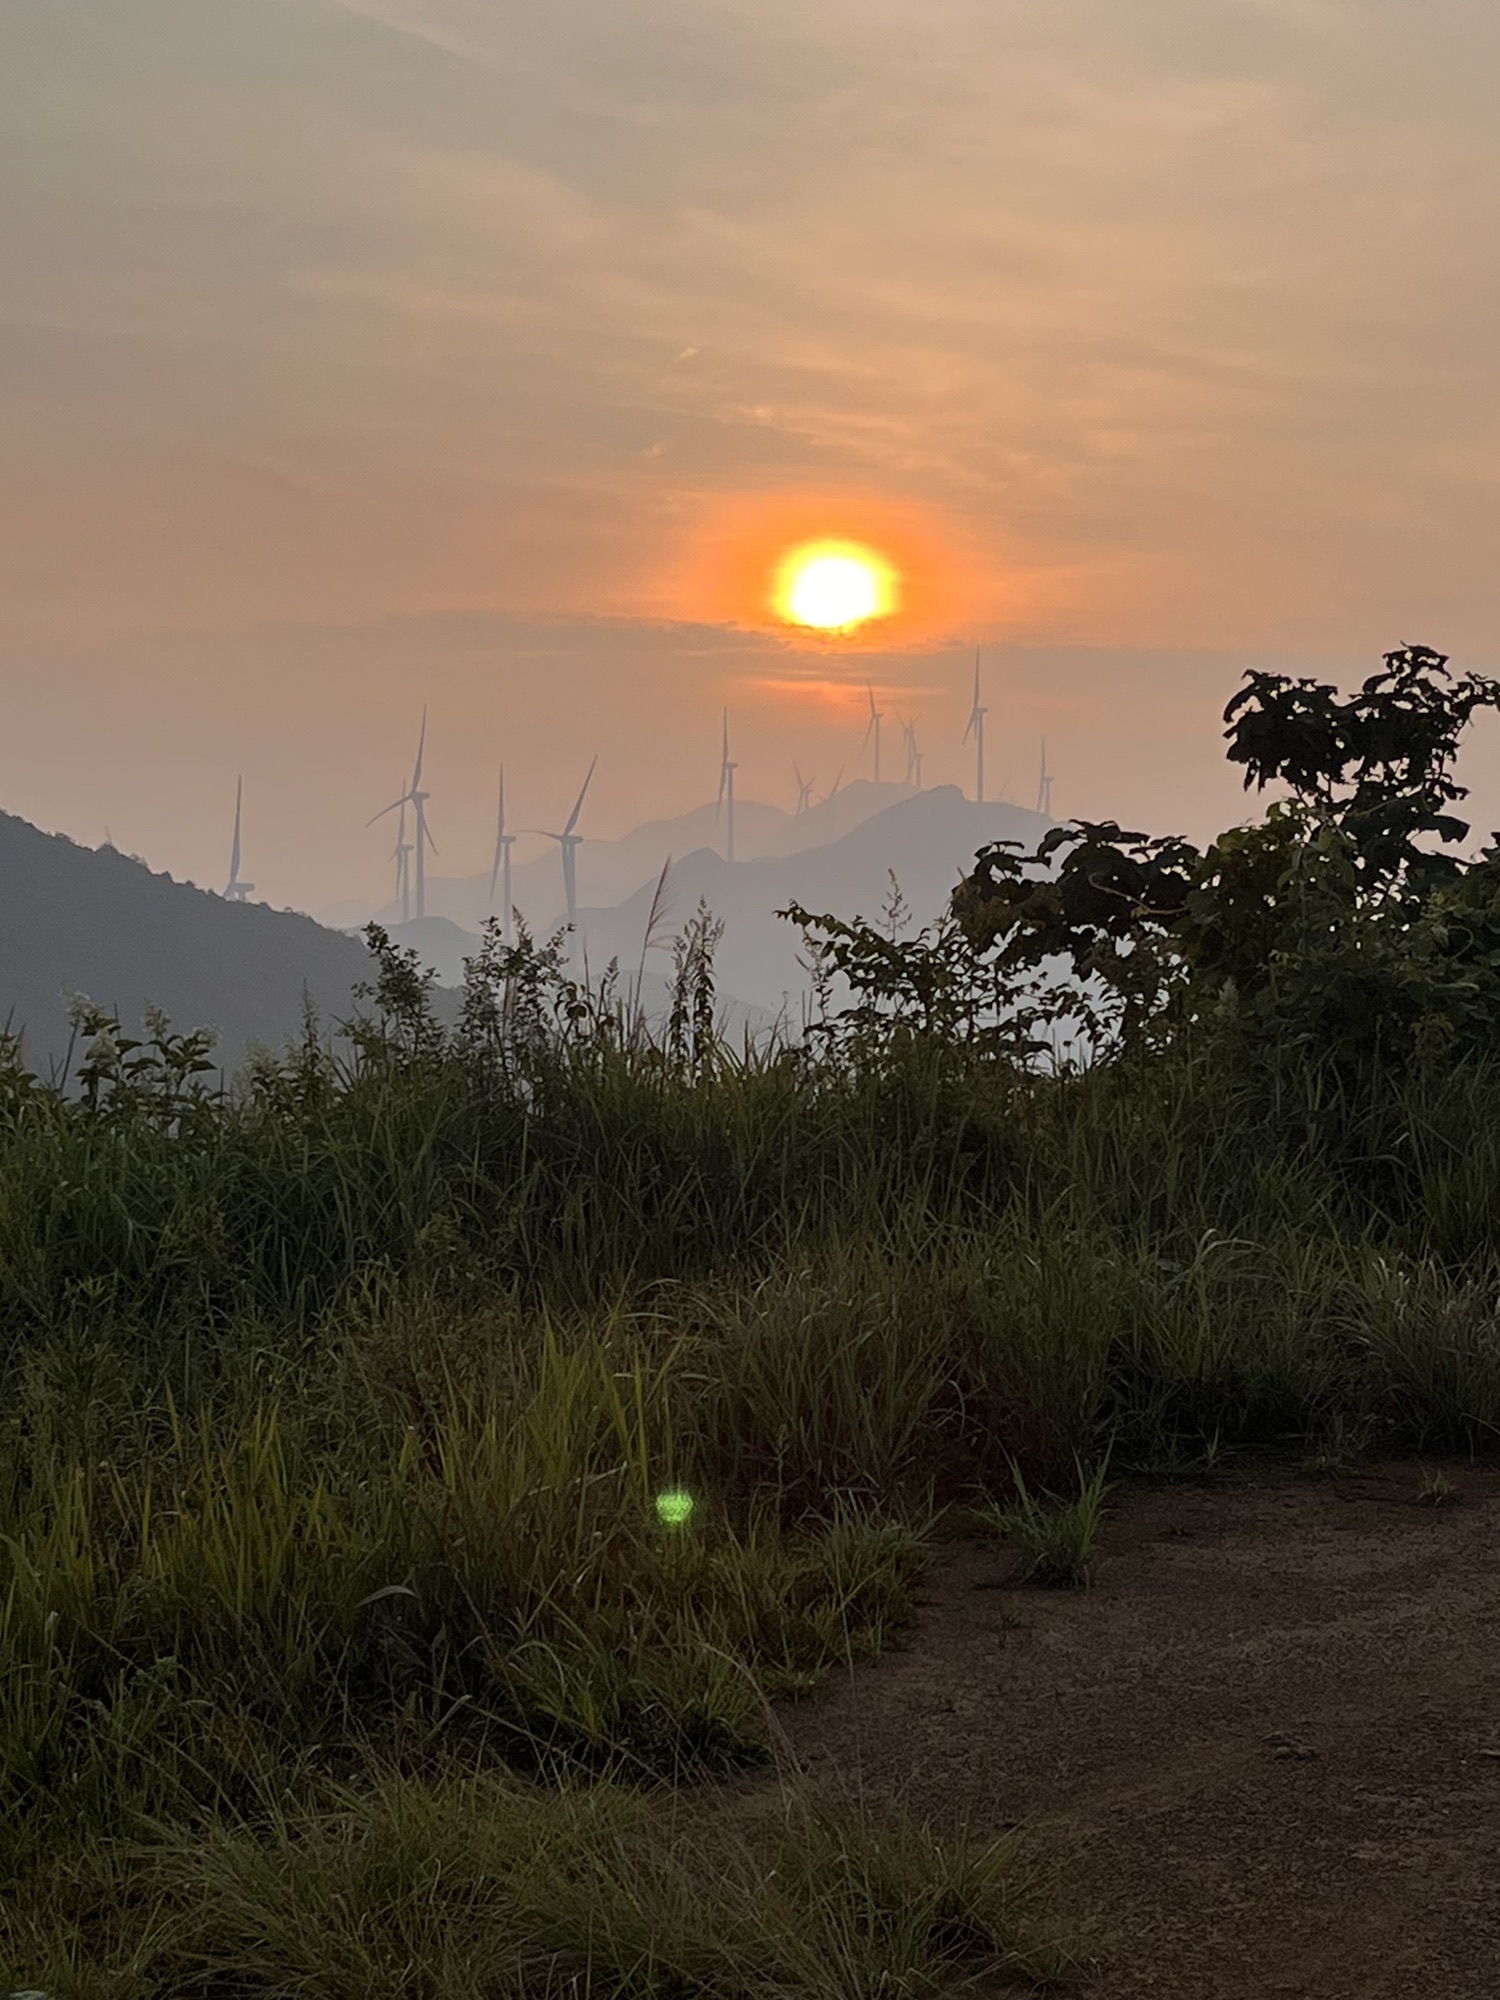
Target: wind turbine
<point>401,855</point>
<point>569,843</point>
<point>873,727</point>
<point>804,790</point>
<point>237,891</point>
<point>1044,785</point>
<point>913,755</point>
<point>417,799</point>
<point>727,769</point>
<point>504,842</point>
<point>976,724</point>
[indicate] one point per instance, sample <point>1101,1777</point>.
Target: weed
<point>1342,1443</point>
<point>1056,1537</point>
<point>1436,1489</point>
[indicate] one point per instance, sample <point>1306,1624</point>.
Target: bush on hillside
<point>1341,926</point>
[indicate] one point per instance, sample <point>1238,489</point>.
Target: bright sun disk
<point>834,585</point>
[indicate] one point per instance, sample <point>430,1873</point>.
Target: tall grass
<point>337,1403</point>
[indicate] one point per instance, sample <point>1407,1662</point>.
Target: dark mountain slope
<point>76,919</point>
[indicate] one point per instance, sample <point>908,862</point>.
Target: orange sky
<point>359,355</point>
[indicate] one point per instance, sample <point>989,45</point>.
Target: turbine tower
<point>504,842</point>
<point>913,756</point>
<point>1044,785</point>
<point>727,769</point>
<point>976,725</point>
<point>417,799</point>
<point>237,891</point>
<point>569,843</point>
<point>804,790</point>
<point>872,727</point>
<point>401,855</point>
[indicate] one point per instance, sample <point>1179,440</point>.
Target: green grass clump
<point>1436,1489</point>
<point>1056,1538</point>
<point>482,1885</point>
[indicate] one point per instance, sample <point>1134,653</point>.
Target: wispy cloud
<point>1175,319</point>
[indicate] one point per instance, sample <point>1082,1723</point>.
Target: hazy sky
<point>361,353</point>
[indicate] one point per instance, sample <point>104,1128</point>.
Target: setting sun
<point>834,586</point>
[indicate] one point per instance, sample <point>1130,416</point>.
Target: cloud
<point>1173,320</point>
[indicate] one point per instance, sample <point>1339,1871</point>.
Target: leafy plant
<point>1338,926</point>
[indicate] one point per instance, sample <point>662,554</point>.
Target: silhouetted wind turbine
<point>913,755</point>
<point>401,855</point>
<point>976,724</point>
<point>1044,785</point>
<point>417,799</point>
<point>804,790</point>
<point>836,783</point>
<point>873,727</point>
<point>237,891</point>
<point>727,769</point>
<point>569,842</point>
<point>504,842</point>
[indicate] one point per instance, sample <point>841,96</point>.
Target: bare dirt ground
<point>1262,1751</point>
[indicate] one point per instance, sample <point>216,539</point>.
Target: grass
<point>344,1641</point>
<point>482,1886</point>
<point>1056,1538</point>
<point>1436,1489</point>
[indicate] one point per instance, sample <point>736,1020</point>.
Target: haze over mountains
<point>76,920</point>
<point>610,870</point>
<point>838,857</point>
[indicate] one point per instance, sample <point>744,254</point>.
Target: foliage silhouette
<point>1338,925</point>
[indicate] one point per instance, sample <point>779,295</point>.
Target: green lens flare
<point>674,1508</point>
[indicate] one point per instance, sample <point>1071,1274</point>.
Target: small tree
<point>1339,923</point>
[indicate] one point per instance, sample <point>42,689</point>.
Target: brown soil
<point>1262,1750</point>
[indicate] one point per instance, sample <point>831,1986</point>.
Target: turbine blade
<point>416,776</point>
<point>499,837</point>
<point>573,820</point>
<point>388,809</point>
<point>234,862</point>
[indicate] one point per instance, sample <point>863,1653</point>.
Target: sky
<point>357,355</point>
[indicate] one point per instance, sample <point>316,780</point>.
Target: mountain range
<point>100,924</point>
<point>924,840</point>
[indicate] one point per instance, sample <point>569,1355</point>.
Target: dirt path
<point>1263,1750</point>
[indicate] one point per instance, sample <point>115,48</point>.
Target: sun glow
<point>834,586</point>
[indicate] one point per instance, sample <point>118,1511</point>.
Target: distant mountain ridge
<point>927,840</point>
<point>99,923</point>
<point>611,870</point>
<point>837,858</point>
